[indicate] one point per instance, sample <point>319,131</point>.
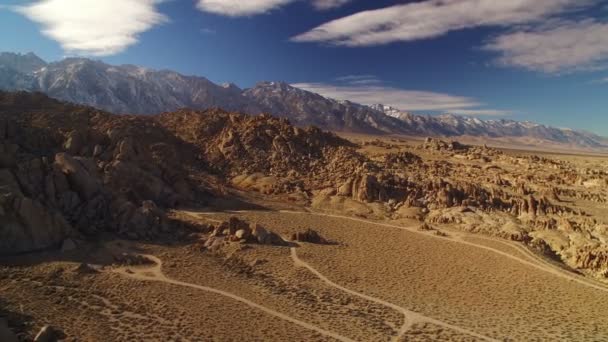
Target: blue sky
<point>538,60</point>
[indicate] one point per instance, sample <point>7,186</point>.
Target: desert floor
<point>379,282</point>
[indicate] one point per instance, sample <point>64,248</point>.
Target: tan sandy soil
<point>378,283</point>
<point>470,287</point>
<point>110,307</point>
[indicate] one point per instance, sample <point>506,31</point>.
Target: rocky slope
<point>137,90</point>
<point>69,171</point>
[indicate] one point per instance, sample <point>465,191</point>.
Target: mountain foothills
<point>69,170</point>
<point>75,178</point>
<point>136,90</point>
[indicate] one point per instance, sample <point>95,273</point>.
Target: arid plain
<point>370,276</point>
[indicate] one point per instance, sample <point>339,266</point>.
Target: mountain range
<point>137,90</point>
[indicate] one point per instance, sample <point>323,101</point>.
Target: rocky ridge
<point>75,170</point>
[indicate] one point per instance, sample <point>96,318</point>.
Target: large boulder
<point>27,224</point>
<point>79,178</point>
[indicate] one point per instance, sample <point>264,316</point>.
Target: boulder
<point>366,188</point>
<point>234,224</point>
<point>74,143</point>
<point>310,236</point>
<point>259,233</point>
<point>242,234</point>
<point>27,225</point>
<point>78,177</point>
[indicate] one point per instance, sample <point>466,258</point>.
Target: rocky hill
<point>69,171</point>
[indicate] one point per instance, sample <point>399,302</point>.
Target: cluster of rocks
<point>440,145</point>
<point>263,153</point>
<point>130,259</point>
<point>236,230</point>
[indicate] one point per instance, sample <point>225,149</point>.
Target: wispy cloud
<point>93,27</point>
<point>407,100</point>
<point>359,79</point>
<point>432,18</point>
<point>324,5</point>
<point>245,8</point>
<point>560,46</point>
<point>240,8</point>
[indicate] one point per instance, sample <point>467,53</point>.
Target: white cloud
<point>432,18</point>
<point>324,5</point>
<point>557,47</point>
<point>245,8</point>
<point>407,100</point>
<point>94,27</point>
<point>240,8</point>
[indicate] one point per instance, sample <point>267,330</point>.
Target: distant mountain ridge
<point>137,90</point>
<point>456,125</point>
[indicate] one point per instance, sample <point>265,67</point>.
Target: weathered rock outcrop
<point>67,170</point>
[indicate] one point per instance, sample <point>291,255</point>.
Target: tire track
<point>154,273</point>
<point>535,264</point>
<point>410,317</point>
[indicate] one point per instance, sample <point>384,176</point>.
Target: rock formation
<point>68,171</point>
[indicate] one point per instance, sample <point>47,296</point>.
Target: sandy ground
<point>474,288</point>
<point>377,283</point>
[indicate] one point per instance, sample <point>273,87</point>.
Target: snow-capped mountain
<point>456,125</point>
<point>20,63</point>
<point>136,90</point>
<point>302,107</point>
<point>120,89</point>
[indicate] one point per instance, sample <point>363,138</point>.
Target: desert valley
<point>303,170</point>
<point>211,225</point>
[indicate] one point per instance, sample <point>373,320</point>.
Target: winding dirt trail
<point>536,262</point>
<point>154,273</point>
<point>522,256</point>
<point>410,317</point>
